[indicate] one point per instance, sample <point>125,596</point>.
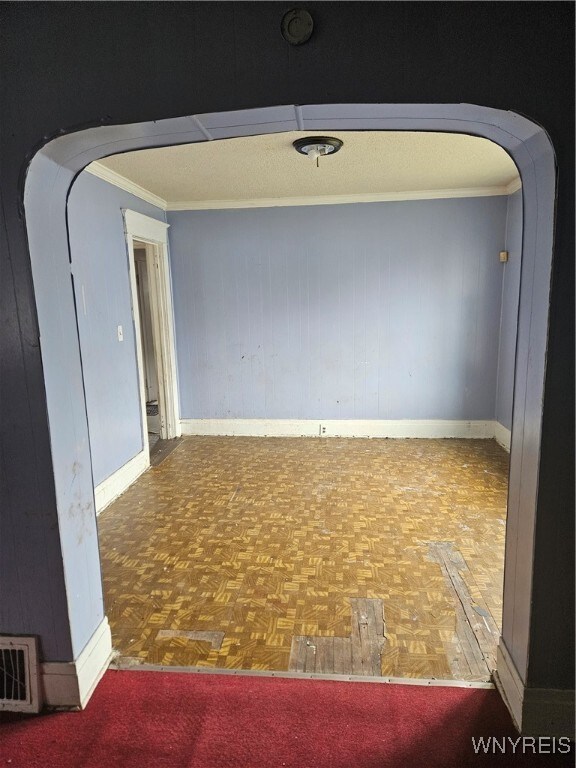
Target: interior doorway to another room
<point>388,560</point>
<point>60,360</point>
<point>142,254</point>
<point>151,295</point>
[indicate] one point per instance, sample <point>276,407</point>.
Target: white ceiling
<point>268,167</point>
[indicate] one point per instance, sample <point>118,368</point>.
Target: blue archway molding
<point>50,175</point>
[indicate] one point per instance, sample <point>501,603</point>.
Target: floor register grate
<point>19,688</point>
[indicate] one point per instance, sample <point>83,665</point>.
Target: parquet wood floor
<point>267,539</point>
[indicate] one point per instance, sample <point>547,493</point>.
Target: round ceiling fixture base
<point>317,145</point>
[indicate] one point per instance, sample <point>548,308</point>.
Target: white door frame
<point>154,233</point>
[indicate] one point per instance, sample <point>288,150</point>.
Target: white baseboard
<point>113,486</point>
<point>502,435</point>
<point>535,711</point>
<point>70,684</point>
<point>404,428</point>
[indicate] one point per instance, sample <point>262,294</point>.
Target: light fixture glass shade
<point>317,146</point>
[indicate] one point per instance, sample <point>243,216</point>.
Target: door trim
<point>154,234</point>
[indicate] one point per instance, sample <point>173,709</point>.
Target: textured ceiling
<point>370,162</point>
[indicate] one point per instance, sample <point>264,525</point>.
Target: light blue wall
<point>509,319</point>
<point>103,302</point>
<point>368,311</point>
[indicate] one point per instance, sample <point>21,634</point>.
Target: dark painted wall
<point>65,66</point>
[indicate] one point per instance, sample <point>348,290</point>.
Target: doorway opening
<point>530,149</point>
<point>151,300</point>
<point>142,256</point>
<point>266,328</point>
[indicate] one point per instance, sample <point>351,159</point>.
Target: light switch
<point>120,333</point>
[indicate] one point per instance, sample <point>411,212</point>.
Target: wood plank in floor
<point>475,638</point>
<point>297,661</point>
<point>310,658</point>
<point>470,648</point>
<point>342,656</point>
<point>325,655</point>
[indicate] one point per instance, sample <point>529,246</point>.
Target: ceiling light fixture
<point>317,146</point>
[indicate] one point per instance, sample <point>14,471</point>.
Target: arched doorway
<point>50,175</point>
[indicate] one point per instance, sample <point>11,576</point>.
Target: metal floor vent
<point>19,685</point>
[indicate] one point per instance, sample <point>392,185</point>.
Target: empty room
<point>249,527</point>
<point>321,332</point>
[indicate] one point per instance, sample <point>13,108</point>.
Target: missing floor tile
<point>214,638</point>
<point>359,654</point>
<point>476,637</point>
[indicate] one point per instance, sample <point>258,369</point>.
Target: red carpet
<point>173,720</point>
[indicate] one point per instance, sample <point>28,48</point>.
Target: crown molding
<point>514,186</point>
<point>380,197</point>
<point>99,170</point>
